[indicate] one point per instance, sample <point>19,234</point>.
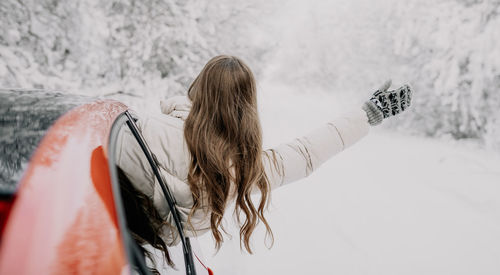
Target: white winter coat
<point>164,135</point>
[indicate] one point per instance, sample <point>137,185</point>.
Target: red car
<point>60,204</point>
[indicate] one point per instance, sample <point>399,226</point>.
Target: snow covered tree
<point>141,48</point>
<point>452,49</point>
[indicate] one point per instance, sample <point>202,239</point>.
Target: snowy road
<point>391,204</point>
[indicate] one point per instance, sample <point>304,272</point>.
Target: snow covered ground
<point>391,204</point>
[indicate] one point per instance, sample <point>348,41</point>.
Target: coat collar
<point>177,106</point>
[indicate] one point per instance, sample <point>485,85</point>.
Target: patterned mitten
<point>385,103</point>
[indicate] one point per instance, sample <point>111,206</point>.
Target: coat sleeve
<point>297,159</point>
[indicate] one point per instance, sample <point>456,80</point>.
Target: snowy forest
<point>419,195</point>
<point>141,50</point>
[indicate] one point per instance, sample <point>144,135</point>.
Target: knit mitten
<point>385,103</point>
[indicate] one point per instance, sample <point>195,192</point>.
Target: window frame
<point>132,251</point>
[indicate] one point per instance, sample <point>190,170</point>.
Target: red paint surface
<point>5,206</point>
<point>63,220</point>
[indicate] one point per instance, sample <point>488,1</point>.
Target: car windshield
<point>25,117</point>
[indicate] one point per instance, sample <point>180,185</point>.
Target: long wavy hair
<point>224,137</point>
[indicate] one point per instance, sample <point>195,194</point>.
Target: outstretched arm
<point>299,158</point>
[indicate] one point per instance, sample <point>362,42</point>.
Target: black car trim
<point>132,252</point>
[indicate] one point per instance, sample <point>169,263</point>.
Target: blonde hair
<point>224,138</point>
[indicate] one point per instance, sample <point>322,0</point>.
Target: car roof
<point>25,117</point>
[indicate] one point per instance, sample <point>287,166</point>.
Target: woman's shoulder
<point>164,134</point>
<point>174,111</point>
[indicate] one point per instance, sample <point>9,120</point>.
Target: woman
<point>209,149</point>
